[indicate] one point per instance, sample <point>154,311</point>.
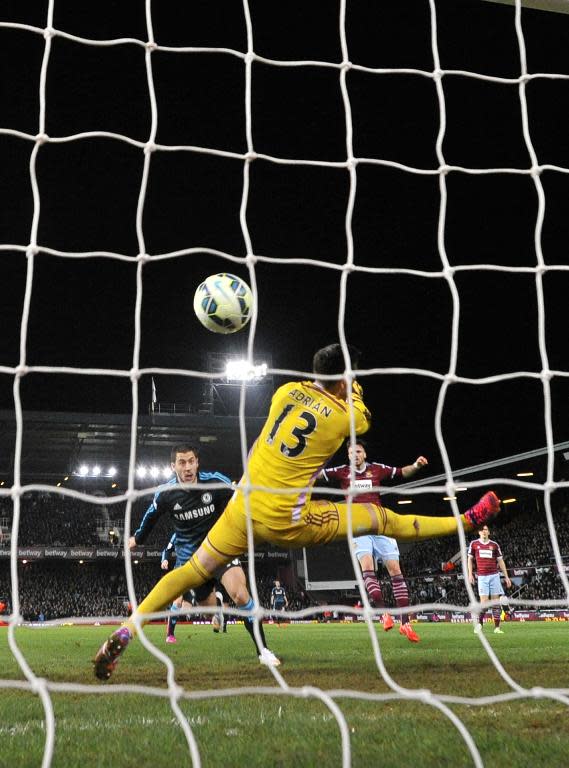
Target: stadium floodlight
<point>405,501</point>
<point>141,471</point>
<point>508,501</point>
<point>154,471</point>
<point>166,472</point>
<point>94,471</point>
<point>449,498</point>
<point>243,370</point>
<point>524,474</point>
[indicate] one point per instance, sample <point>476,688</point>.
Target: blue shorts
<point>382,548</point>
<point>490,585</point>
<point>183,553</point>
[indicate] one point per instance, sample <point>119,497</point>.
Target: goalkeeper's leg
<point>384,521</point>
<point>325,521</point>
<point>168,589</point>
<point>199,569</point>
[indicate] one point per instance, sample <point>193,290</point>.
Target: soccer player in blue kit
<point>193,512</point>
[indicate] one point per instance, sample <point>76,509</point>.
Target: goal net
<point>393,178</point>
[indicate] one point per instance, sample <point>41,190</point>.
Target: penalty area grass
<point>271,729</point>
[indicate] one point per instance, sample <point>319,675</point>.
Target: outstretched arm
<point>362,416</point>
<point>148,522</point>
<point>412,469</point>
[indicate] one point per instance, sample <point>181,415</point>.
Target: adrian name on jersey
<point>311,402</point>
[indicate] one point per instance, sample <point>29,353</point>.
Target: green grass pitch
<point>134,730</point>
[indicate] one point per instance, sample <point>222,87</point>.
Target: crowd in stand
<point>64,589</point>
<point>57,590</point>
<point>55,520</point>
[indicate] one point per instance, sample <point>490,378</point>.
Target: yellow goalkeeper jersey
<point>305,427</point>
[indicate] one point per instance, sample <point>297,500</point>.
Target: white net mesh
<point>234,74</point>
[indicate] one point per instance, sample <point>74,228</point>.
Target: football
<point>223,302</point>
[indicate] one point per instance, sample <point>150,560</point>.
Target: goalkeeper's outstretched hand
<point>357,389</point>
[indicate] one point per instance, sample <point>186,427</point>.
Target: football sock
<point>172,621</point>
<point>373,589</point>
<point>414,527</point>
<point>249,623</point>
<point>219,603</point>
<point>401,595</point>
<point>370,518</point>
<point>496,611</point>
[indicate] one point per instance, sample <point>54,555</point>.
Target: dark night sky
<point>82,310</point>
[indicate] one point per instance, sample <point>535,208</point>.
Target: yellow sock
<point>171,586</point>
<point>414,527</point>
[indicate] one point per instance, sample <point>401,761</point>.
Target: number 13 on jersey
<point>293,441</point>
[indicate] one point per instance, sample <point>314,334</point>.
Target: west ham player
<point>307,423</point>
<point>193,513</point>
<point>489,564</point>
<point>372,549</point>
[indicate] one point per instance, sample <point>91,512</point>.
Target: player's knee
<point>240,595</point>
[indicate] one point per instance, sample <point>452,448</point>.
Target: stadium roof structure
<point>557,6</point>
<point>524,469</point>
<point>55,444</point>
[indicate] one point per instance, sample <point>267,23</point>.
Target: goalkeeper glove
<point>357,389</point>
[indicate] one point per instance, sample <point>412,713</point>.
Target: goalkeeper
<point>308,422</point>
